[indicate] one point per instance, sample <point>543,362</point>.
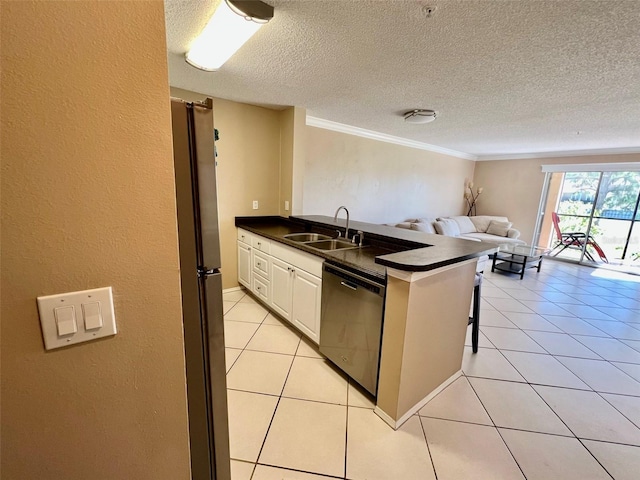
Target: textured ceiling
<point>506,77</point>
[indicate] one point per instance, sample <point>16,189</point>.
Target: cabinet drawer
<point>303,260</point>
<point>261,264</point>
<point>260,243</point>
<point>261,289</point>
<point>244,236</point>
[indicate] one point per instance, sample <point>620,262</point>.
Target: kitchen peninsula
<point>429,284</point>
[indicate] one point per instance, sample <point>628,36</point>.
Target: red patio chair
<point>574,240</point>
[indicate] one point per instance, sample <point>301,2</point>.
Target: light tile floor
<point>553,393</point>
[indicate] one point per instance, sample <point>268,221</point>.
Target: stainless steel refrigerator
<point>198,234</point>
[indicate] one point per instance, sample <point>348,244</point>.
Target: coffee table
<point>512,258</point>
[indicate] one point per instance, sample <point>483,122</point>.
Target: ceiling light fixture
<point>232,24</point>
<point>419,116</point>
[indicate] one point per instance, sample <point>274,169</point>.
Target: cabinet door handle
<point>258,263</point>
<point>249,248</point>
<point>259,244</point>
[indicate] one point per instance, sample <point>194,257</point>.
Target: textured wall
<point>380,182</point>
<point>248,168</point>
<point>513,187</point>
<point>88,201</point>
<point>287,118</point>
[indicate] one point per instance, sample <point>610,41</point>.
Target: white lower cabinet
<point>305,312</point>
<point>295,296</point>
<point>261,288</point>
<point>282,291</point>
<point>280,281</point>
<point>244,264</point>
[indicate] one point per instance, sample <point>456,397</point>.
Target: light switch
<point>66,320</point>
<point>76,317</point>
<point>92,315</point>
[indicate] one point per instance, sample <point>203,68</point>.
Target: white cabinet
<point>244,236</point>
<point>254,264</point>
<point>260,283</point>
<point>261,263</point>
<point>244,264</point>
<point>282,287</point>
<point>261,244</point>
<point>307,290</point>
<point>260,288</point>
<point>286,279</point>
<point>295,296</point>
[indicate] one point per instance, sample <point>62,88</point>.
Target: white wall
<point>380,182</point>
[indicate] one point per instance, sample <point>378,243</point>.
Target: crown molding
<point>565,153</point>
<point>383,137</point>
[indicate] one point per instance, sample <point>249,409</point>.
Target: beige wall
<point>287,122</point>
<point>423,335</point>
<point>300,133</point>
<point>513,187</point>
<point>88,201</point>
<point>292,158</point>
<point>248,168</point>
<point>380,182</point>
<point>273,156</point>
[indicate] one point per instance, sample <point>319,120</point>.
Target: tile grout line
<point>426,441</point>
<point>273,416</point>
<point>289,469</point>
<point>590,389</point>
<point>525,287</point>
<point>595,458</point>
<point>532,388</point>
<point>497,429</point>
<point>346,432</point>
<point>245,347</point>
<point>617,409</point>
<point>549,406</point>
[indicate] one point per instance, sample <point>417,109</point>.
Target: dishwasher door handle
<point>348,285</point>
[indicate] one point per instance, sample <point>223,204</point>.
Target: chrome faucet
<point>360,235</point>
<point>335,218</point>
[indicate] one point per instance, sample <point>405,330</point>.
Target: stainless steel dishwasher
<point>351,324</point>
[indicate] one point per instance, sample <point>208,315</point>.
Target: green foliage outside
<point>617,197</point>
<point>570,223</point>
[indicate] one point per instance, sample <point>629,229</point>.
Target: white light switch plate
<point>102,314</point>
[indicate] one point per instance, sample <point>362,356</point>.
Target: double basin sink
<point>320,242</point>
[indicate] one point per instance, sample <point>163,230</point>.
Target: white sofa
<point>481,228</point>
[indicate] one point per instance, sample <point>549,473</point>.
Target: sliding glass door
<point>615,215</point>
<point>593,217</point>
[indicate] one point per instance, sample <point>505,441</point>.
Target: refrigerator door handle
<point>204,272</point>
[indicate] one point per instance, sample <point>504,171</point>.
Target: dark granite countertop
<point>361,260</point>
<point>383,246</point>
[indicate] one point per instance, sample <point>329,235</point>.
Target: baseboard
<point>232,289</point>
<point>395,424</point>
